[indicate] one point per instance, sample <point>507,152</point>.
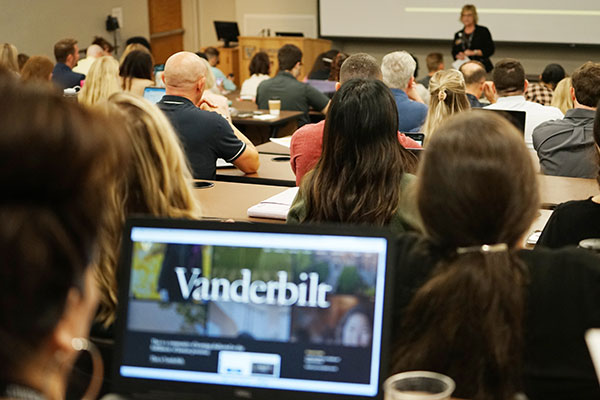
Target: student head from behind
<point>290,59</point>
<point>435,62</point>
<point>185,76</point>
<point>398,69</point>
<point>475,76</point>
<point>585,82</point>
<point>101,81</point>
<point>139,40</point>
<point>336,65</point>
<point>360,65</point>
<point>212,55</point>
<point>9,57</point>
<point>358,177</point>
<point>37,68</point>
<point>157,182</point>
<point>21,60</point>
<point>133,47</point>
<point>509,78</point>
<point>553,73</point>
<point>448,96</point>
<point>56,161</point>
<point>260,64</point>
<point>137,64</point>
<point>479,346</point>
<point>66,52</point>
<point>562,97</point>
<point>322,65</point>
<point>105,44</point>
<point>94,51</point>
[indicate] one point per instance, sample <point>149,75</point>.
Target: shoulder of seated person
<point>565,259</point>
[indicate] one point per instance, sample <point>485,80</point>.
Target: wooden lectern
<point>249,45</point>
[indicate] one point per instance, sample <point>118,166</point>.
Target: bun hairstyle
<point>448,96</point>
<point>477,195</point>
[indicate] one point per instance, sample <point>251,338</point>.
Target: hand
<point>413,94</point>
<point>460,56</point>
<point>489,91</point>
<point>206,105</point>
<point>470,53</point>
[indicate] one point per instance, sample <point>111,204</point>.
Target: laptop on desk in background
<point>216,310</point>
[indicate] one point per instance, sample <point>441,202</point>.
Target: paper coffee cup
<point>274,106</point>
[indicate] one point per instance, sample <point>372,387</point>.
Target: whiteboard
<point>531,21</point>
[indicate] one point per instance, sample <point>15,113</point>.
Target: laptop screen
<point>278,310</point>
<point>154,94</point>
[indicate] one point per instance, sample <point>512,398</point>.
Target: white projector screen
<point>531,21</point>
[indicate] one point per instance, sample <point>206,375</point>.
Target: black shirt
<point>570,223</point>
<point>474,101</point>
<point>294,95</point>
<point>480,39</point>
<point>205,135</point>
<point>562,302</point>
<point>64,77</point>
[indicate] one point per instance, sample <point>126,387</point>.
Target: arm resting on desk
<point>248,161</point>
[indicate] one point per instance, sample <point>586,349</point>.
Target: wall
<point>35,25</point>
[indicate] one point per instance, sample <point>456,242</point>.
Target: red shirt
<point>307,143</point>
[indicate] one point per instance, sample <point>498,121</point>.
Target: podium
<point>249,45</point>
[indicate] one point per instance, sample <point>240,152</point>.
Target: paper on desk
<point>265,117</point>
<point>284,141</point>
<point>275,207</point>
<point>223,164</point>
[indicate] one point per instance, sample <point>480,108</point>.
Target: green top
<point>406,218</point>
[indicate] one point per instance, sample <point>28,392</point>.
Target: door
<point>166,28</point>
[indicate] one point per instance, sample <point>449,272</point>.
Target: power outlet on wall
<point>117,12</point>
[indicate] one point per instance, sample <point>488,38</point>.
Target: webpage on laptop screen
<point>282,311</point>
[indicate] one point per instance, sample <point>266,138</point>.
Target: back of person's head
<point>21,60</point>
<point>509,77</point>
<point>553,73</point>
<point>133,47</point>
<point>63,48</point>
<point>474,72</point>
<point>360,65</point>
<point>288,56</point>
<point>260,64</point>
<point>137,64</point>
<point>336,65</point>
<point>586,83</point>
<point>56,161</point>
<point>480,345</point>
<point>434,61</point>
<point>323,61</point>
<point>94,51</point>
<point>211,52</point>
<point>561,98</point>
<point>139,40</point>
<point>357,179</point>
<point>9,57</point>
<point>448,96</point>
<point>397,68</point>
<point>183,70</point>
<point>158,182</point>
<point>37,68</point>
<point>105,44</point>
<point>101,81</point>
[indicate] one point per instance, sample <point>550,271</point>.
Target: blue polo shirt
<point>64,77</point>
<point>205,135</point>
<point>411,114</point>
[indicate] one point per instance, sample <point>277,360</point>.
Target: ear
<point>162,78</point>
<point>338,85</point>
<point>410,82</point>
<point>200,84</point>
<point>69,325</point>
<point>572,92</point>
<point>526,85</point>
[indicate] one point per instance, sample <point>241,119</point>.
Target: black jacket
<point>481,40</point>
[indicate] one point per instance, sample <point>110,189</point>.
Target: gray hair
<point>397,69</point>
<point>94,51</point>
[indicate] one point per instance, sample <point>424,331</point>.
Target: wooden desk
<point>273,148</point>
<point>558,189</point>
<point>227,200</point>
<point>271,172</point>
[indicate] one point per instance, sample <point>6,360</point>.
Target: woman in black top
<point>469,302</point>
<point>473,41</point>
<point>574,221</point>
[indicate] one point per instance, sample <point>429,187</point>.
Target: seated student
<point>56,161</point>
<point>573,221</point>
<point>469,302</point>
<point>448,97</point>
<point>361,176</point>
<point>66,53</point>
<point>223,82</point>
<point>541,92</point>
<point>336,66</point>
<point>561,98</point>
<point>101,82</point>
<point>398,68</point>
<point>9,57</point>
<point>565,147</point>
<point>435,63</point>
<point>475,83</point>
<point>212,95</point>
<point>136,72</point>
<point>133,47</point>
<point>92,53</point>
<point>294,95</point>
<point>307,142</point>
<point>260,68</point>
<point>105,44</point>
<point>37,69</point>
<point>322,66</point>
<point>205,135</point>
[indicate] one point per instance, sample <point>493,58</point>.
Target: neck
<point>576,104</point>
<point>474,91</point>
<point>45,377</point>
<point>469,27</point>
<point>191,96</point>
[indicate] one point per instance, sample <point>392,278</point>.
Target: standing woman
<point>473,41</point>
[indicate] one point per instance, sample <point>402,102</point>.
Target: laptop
<point>154,94</point>
<point>517,118</point>
<point>224,310</point>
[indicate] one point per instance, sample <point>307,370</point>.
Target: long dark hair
<point>357,178</point>
<point>137,64</point>
<point>476,186</point>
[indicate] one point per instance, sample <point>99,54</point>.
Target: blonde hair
<point>561,98</point>
<point>133,47</point>
<point>157,182</point>
<point>448,96</point>
<point>101,81</point>
<point>471,8</point>
<point>8,57</point>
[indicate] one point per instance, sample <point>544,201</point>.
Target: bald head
<point>94,51</point>
<point>474,72</point>
<point>183,71</point>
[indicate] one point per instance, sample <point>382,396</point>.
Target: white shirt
<point>535,113</point>
<point>84,65</point>
<point>251,84</point>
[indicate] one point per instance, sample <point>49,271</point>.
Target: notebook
<point>225,310</point>
<point>275,207</point>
